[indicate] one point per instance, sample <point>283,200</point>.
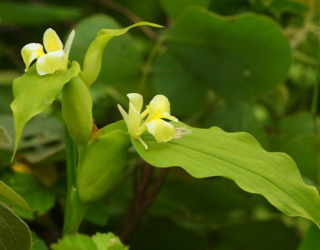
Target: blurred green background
<point>241,65</point>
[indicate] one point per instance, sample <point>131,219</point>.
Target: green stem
<point>75,209</point>
<point>314,111</point>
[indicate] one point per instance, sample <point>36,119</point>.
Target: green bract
<point>93,58</point>
<point>100,164</point>
<point>77,110</point>
<point>34,93</point>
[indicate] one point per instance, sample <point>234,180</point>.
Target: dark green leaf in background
<point>239,57</point>
<point>234,117</point>
<point>39,198</point>
<point>14,233</point>
<point>26,14</point>
<point>37,243</point>
<point>176,7</point>
<point>296,137</point>
<point>186,94</point>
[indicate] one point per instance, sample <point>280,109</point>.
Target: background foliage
<point>241,65</point>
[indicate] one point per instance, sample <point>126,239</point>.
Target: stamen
<point>181,132</point>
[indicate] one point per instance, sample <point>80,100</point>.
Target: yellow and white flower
<point>158,109</point>
<point>54,59</point>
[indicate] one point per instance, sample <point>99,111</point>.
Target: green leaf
<point>108,242</point>
<point>14,232</point>
<point>37,243</point>
<point>11,195</point>
<point>83,242</point>
<point>30,14</point>
<point>311,239</point>
<point>262,235</point>
<point>97,213</point>
<point>39,198</point>
<point>5,139</point>
<point>75,242</point>
<point>237,156</point>
<point>171,79</point>
<point>175,8</point>
<point>34,93</point>
<point>41,137</point>
<point>285,6</point>
<point>231,51</point>
<point>236,116</point>
<point>296,138</point>
<point>93,58</point>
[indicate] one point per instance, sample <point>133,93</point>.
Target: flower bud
<point>101,164</point>
<point>77,110</point>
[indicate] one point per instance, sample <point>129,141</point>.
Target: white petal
<point>51,41</point>
<point>124,114</point>
<point>51,62</point>
<point>136,100</point>
<point>69,43</point>
<point>161,130</point>
<point>31,52</point>
<point>134,120</point>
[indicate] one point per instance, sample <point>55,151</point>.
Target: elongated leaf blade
<point>11,195</point>
<point>93,58</point>
<point>34,93</point>
<point>237,156</point>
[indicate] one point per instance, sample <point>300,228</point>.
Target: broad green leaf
<point>231,54</point>
<point>11,195</point>
<point>108,242</point>
<point>30,14</point>
<point>93,58</point>
<point>175,8</point>
<point>14,232</point>
<point>237,156</point>
<point>75,242</point>
<point>34,93</point>
<point>171,79</point>
<point>39,198</point>
<point>311,239</point>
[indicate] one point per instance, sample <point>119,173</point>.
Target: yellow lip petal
<point>31,52</point>
<point>161,130</point>
<point>158,108</point>
<point>51,62</point>
<point>51,41</point>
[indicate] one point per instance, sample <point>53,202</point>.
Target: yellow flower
<point>158,109</point>
<point>56,57</point>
